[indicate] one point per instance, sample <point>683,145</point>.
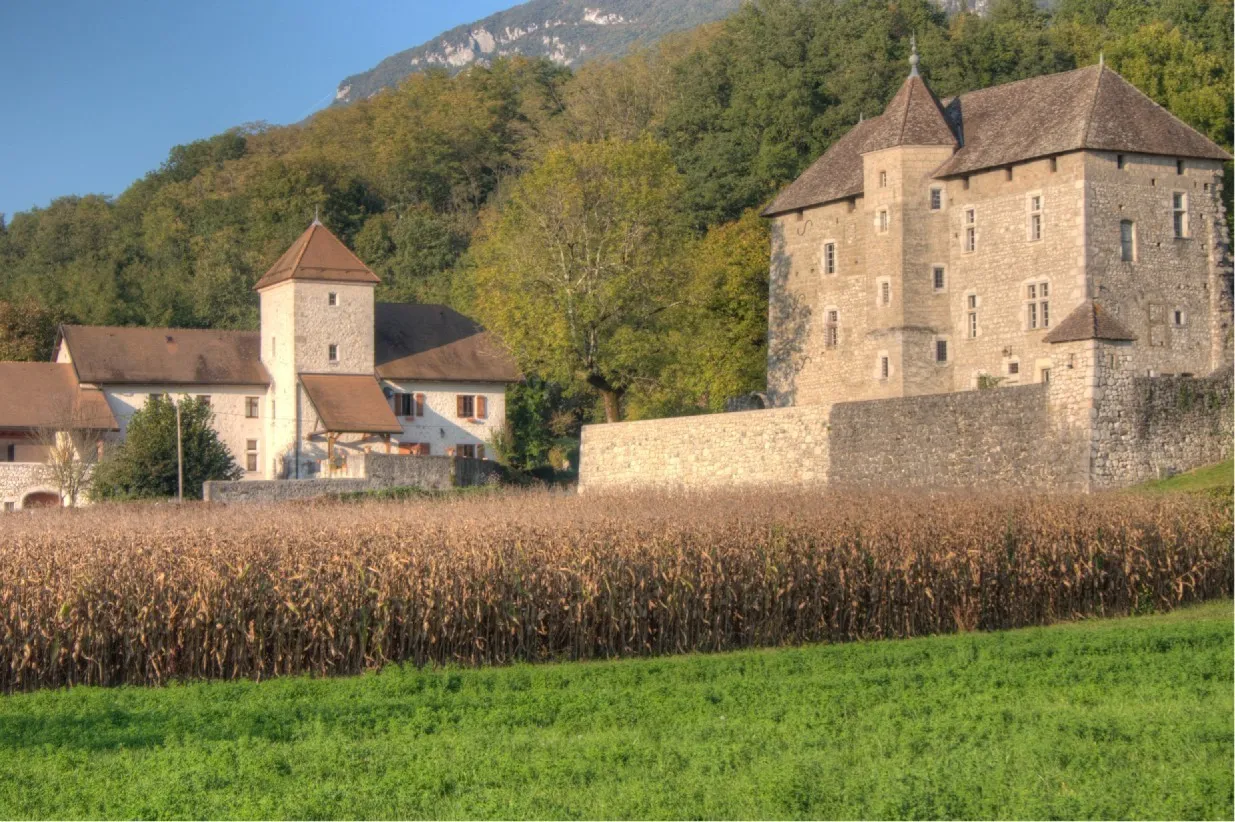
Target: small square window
<point>332,352</point>
<point>250,445</point>
<point>1014,367</point>
<point>467,452</point>
<point>972,301</point>
<point>332,298</point>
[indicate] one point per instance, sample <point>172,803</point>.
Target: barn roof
<point>48,395</point>
<point>116,355</point>
<point>434,342</point>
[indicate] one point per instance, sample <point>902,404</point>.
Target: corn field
<point>147,595</point>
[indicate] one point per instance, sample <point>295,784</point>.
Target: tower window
<point>332,352</point>
<point>332,298</point>
<point>1179,212</point>
<point>885,293</point>
<point>1037,306</point>
<point>831,331</point>
<point>936,199</point>
<point>829,258</point>
<point>250,407</point>
<point>1035,217</point>
<point>881,221</point>
<point>971,326</point>
<point>1179,166</point>
<point>941,351</point>
<point>883,179</point>
<point>1007,173</point>
<point>1119,161</point>
<point>1054,164</point>
<point>939,278</point>
<point>885,367</point>
<point>1127,241</point>
<point>971,230</point>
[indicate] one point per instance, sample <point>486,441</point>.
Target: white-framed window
<point>250,455</point>
<point>971,230</point>
<point>829,257</point>
<point>250,407</point>
<point>939,278</point>
<point>1179,214</point>
<point>1127,241</point>
<point>884,366</point>
<point>1038,305</point>
<point>332,352</point>
<point>332,298</point>
<point>831,328</point>
<point>409,405</point>
<point>971,316</point>
<point>1035,217</point>
<point>936,198</point>
<point>883,179</point>
<point>881,221</point>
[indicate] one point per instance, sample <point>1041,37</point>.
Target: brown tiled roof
<point>834,176</point>
<point>38,394</point>
<point>317,255</point>
<point>1089,108</point>
<point>913,118</point>
<point>350,404</point>
<point>160,356</point>
<point>433,342</point>
<point>1089,321</point>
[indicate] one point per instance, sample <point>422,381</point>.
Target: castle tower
<point>316,319</point>
<point>907,210</point>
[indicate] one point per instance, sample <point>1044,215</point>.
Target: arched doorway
<point>41,499</point>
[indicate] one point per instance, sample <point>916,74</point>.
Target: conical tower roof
<point>317,255</point>
<point>913,118</point>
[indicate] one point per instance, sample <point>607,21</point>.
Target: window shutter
<point>459,410</point>
<point>420,405</point>
<point>482,406</point>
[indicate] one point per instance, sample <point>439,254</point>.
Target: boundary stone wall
<point>381,471</point>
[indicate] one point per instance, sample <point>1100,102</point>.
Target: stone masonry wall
<point>17,479</point>
<point>780,446</point>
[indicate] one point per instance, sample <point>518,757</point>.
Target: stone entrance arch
<point>41,499</point>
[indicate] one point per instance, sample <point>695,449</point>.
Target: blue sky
<point>95,93</point>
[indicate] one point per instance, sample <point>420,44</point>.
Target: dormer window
<point>332,352</point>
<point>332,298</point>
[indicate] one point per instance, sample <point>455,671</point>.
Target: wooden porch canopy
<point>350,404</point>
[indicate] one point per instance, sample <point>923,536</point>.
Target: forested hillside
<point>433,183</point>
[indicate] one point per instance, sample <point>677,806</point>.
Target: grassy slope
<point>1120,718</point>
<point>1212,478</point>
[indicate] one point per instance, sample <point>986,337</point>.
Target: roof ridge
<point>1087,124</point>
<point>308,237</point>
<point>161,328</point>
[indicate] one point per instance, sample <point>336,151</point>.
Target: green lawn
<point>1218,478</point>
<point>1110,718</point>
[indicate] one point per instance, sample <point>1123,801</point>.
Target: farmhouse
<point>330,376</point>
<point>1028,284</point>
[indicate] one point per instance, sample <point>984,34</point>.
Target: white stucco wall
<point>228,403</point>
<point>440,427</point>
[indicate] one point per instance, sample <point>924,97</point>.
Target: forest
<point>653,168</point>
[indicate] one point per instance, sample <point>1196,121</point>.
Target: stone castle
<point>1025,285</point>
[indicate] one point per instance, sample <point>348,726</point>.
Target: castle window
<point>831,328</point>
<point>881,220</point>
<point>885,292</point>
<point>885,367</point>
<point>332,352</point>
<point>941,351</point>
<point>1007,173</point>
<point>1038,309</point>
<point>965,182</point>
<point>250,455</point>
<point>1119,161</point>
<point>1035,217</point>
<point>1179,166</point>
<point>1014,368</point>
<point>883,179</point>
<point>1127,241</point>
<point>1054,164</point>
<point>1044,375</point>
<point>971,325</point>
<point>1180,318</point>
<point>250,407</point>
<point>829,258</point>
<point>1179,211</point>
<point>936,198</point>
<point>939,277</point>
<point>332,298</point>
<point>971,230</point>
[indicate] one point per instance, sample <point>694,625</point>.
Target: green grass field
<point>1114,718</point>
<point>1218,478</point>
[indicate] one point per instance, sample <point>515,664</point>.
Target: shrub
<point>111,596</point>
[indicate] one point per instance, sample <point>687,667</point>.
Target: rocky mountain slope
<point>566,31</point>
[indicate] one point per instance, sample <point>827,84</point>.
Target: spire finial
<point>316,221</point>
<point>913,56</point>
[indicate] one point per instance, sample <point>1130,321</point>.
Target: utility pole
<point>179,457</point>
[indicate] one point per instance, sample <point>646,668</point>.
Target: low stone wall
<point>17,479</point>
<point>780,446</point>
<point>381,471</point>
<point>995,438</point>
<point>1153,427</point>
